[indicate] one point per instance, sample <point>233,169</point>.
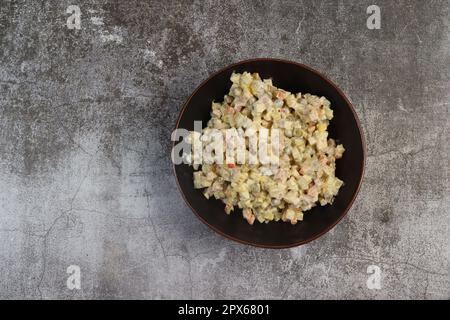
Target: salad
<point>304,175</point>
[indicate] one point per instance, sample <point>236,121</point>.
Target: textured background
<point>85,121</point>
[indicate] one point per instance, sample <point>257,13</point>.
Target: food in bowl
<point>304,175</point>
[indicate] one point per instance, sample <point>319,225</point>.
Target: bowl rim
<point>361,134</point>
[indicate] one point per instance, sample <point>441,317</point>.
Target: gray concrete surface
<point>85,176</point>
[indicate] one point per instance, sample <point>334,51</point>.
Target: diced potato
<point>322,127</point>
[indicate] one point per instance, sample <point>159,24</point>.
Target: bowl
<point>345,128</point>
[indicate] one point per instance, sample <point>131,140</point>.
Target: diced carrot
<point>280,94</point>
<point>229,109</point>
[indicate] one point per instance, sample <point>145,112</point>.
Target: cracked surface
<point>85,123</point>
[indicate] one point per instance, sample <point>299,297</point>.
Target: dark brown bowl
<point>344,127</point>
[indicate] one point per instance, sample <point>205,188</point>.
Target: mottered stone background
<point>85,172</point>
